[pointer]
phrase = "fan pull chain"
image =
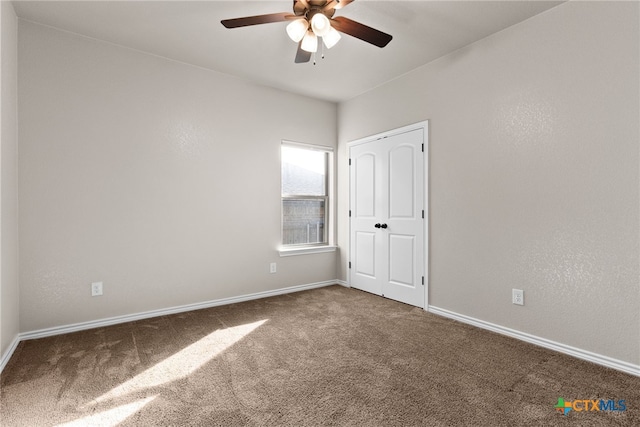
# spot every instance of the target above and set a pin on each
(314, 58)
(321, 49)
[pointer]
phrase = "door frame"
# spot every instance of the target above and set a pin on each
(424, 125)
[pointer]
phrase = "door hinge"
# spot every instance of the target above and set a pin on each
(349, 264)
(349, 213)
(422, 280)
(349, 162)
(422, 213)
(423, 148)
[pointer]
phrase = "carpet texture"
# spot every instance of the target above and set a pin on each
(330, 356)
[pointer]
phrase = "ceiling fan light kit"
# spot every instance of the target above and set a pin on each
(331, 38)
(297, 29)
(320, 24)
(312, 19)
(310, 42)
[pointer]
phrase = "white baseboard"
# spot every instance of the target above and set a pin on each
(7, 354)
(599, 359)
(65, 329)
(542, 342)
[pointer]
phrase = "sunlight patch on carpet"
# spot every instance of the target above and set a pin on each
(110, 417)
(184, 362)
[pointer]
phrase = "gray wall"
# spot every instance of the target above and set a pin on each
(160, 179)
(129, 164)
(9, 291)
(534, 183)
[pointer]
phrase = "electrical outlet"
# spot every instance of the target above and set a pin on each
(517, 296)
(96, 289)
(272, 267)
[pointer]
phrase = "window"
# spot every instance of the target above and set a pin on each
(305, 195)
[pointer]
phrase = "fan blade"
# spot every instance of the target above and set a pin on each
(302, 55)
(361, 31)
(258, 19)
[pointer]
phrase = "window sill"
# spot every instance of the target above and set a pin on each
(306, 250)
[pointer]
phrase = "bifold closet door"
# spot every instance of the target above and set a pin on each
(387, 216)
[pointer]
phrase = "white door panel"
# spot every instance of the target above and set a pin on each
(366, 253)
(401, 182)
(401, 259)
(365, 190)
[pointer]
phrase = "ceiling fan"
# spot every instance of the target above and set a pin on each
(312, 20)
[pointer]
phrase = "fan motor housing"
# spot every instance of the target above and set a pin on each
(316, 6)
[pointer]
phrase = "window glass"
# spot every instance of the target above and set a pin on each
(302, 221)
(304, 171)
(305, 196)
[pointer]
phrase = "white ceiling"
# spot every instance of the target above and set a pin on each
(190, 31)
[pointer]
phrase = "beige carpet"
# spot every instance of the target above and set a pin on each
(331, 356)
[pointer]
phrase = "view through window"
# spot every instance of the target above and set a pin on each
(305, 198)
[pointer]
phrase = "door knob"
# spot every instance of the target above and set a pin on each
(383, 226)
(377, 225)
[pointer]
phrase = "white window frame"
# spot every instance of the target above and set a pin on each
(328, 245)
